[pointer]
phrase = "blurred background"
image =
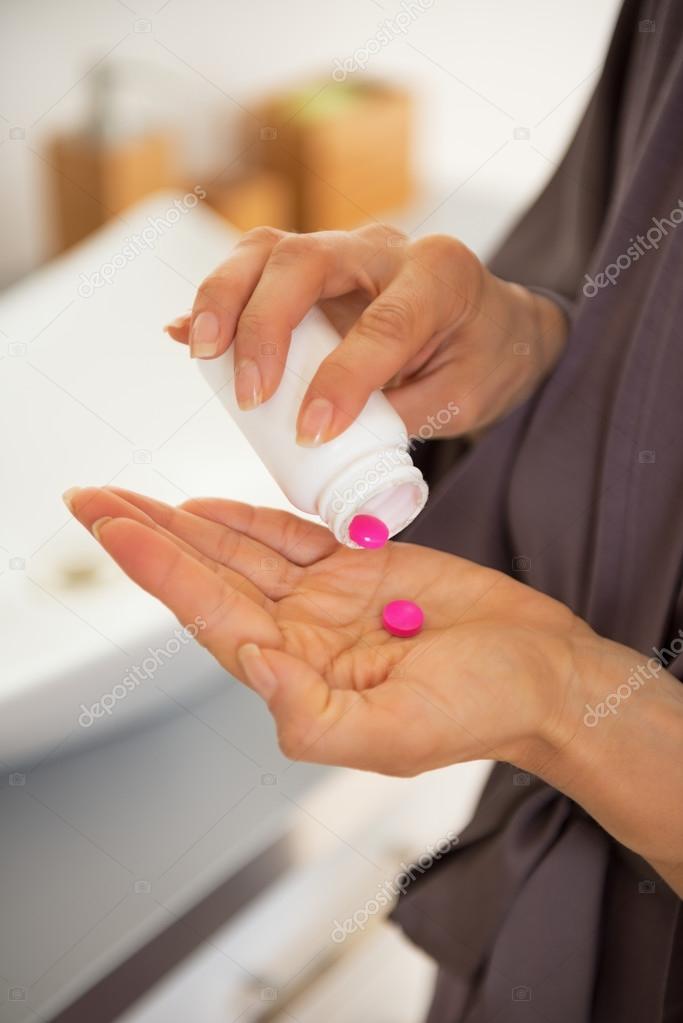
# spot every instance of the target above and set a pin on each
(160, 857)
(102, 103)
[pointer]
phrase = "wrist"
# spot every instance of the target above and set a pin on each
(525, 333)
(615, 747)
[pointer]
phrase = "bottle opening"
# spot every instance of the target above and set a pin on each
(396, 506)
(385, 484)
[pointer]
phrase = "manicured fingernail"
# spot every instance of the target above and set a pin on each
(97, 525)
(315, 422)
(248, 385)
(68, 496)
(178, 323)
(204, 335)
(257, 670)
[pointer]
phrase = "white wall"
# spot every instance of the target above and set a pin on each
(479, 68)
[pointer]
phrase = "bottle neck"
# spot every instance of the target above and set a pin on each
(384, 483)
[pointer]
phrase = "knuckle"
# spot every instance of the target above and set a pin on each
(387, 319)
(262, 236)
(442, 244)
(451, 264)
(442, 248)
(214, 287)
(253, 325)
(299, 246)
(384, 233)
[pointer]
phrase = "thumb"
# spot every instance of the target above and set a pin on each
(390, 331)
(311, 718)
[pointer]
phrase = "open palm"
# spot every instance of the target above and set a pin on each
(298, 617)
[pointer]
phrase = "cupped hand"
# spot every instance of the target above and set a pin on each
(454, 346)
(297, 617)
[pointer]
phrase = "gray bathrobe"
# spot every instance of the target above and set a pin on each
(538, 914)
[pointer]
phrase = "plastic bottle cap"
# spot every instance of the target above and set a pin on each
(367, 531)
(403, 618)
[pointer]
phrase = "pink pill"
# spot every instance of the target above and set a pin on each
(367, 531)
(402, 618)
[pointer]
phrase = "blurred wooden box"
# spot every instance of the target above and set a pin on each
(94, 180)
(346, 148)
(253, 199)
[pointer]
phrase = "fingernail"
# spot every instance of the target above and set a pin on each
(248, 386)
(257, 670)
(97, 526)
(178, 323)
(204, 335)
(315, 422)
(68, 496)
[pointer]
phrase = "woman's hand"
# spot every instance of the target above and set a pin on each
(298, 618)
(454, 346)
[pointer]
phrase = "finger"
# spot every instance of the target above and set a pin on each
(302, 270)
(179, 329)
(397, 325)
(368, 730)
(419, 401)
(314, 722)
(272, 573)
(390, 331)
(302, 542)
(227, 618)
(90, 504)
(224, 293)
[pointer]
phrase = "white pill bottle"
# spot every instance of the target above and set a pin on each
(367, 469)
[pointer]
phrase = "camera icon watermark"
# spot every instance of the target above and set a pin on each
(17, 778)
(521, 993)
(268, 348)
(521, 778)
(17, 349)
(17, 564)
(647, 887)
(17, 994)
(17, 133)
(521, 133)
(142, 25)
(142, 456)
(268, 779)
(647, 457)
(142, 887)
(521, 564)
(267, 133)
(268, 994)
(647, 25)
(521, 348)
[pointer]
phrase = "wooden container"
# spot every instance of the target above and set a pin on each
(253, 199)
(94, 180)
(345, 147)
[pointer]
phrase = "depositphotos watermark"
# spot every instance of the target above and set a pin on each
(388, 891)
(641, 244)
(388, 30)
(135, 244)
(140, 673)
(641, 674)
(390, 459)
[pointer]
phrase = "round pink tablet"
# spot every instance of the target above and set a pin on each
(367, 531)
(403, 618)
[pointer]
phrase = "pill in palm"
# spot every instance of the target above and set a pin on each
(367, 531)
(403, 618)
